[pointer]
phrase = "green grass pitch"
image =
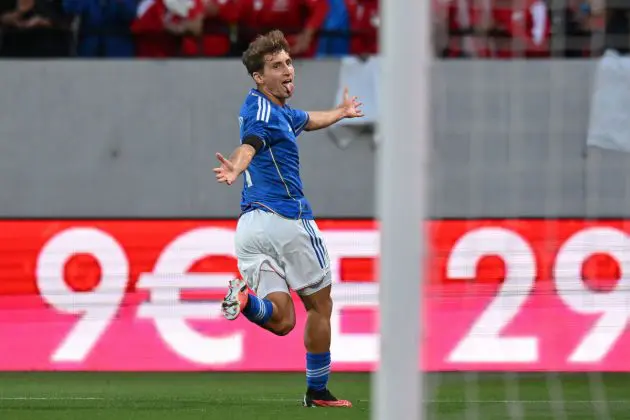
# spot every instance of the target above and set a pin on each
(276, 396)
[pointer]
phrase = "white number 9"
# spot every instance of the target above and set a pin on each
(614, 306)
(97, 307)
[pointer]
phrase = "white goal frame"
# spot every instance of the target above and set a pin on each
(401, 182)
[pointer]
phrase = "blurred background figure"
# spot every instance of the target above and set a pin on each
(104, 28)
(34, 28)
(336, 40)
(522, 28)
(161, 26)
(220, 18)
(301, 20)
(494, 28)
(457, 20)
(462, 29)
(364, 24)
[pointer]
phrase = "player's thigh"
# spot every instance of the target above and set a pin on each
(256, 258)
(305, 258)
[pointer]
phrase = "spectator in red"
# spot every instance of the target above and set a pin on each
(299, 19)
(161, 24)
(526, 23)
(364, 23)
(220, 18)
(463, 21)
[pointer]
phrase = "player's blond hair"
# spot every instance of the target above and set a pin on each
(270, 43)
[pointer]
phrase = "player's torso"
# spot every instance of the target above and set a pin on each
(273, 176)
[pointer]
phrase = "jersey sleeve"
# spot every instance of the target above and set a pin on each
(300, 119)
(253, 126)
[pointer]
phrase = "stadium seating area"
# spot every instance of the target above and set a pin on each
(217, 28)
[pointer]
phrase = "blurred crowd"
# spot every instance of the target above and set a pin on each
(315, 28)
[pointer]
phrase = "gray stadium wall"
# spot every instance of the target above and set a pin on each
(118, 139)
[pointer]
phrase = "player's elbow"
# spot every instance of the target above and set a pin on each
(310, 125)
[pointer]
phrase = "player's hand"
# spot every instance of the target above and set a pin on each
(350, 106)
(226, 171)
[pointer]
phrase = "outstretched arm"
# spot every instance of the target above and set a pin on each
(230, 169)
(349, 108)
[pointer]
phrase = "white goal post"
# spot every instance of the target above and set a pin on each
(401, 182)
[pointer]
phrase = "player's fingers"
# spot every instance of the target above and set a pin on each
(345, 93)
(358, 104)
(223, 160)
(218, 170)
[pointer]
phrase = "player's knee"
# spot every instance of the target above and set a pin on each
(326, 306)
(285, 324)
(285, 327)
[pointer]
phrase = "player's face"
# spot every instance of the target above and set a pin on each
(278, 74)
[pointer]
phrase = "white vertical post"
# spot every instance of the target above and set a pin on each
(404, 105)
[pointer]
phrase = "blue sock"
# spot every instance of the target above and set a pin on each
(258, 310)
(317, 370)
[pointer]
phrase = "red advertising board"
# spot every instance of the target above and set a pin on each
(144, 295)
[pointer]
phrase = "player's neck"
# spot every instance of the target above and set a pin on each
(271, 97)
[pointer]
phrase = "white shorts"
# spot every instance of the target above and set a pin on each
(277, 254)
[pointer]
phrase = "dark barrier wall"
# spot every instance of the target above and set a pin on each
(137, 139)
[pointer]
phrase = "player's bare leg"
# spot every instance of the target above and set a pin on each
(317, 342)
(282, 320)
(274, 312)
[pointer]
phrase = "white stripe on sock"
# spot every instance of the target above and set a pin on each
(325, 369)
(321, 375)
(261, 312)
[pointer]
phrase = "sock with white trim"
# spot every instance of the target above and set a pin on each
(317, 370)
(258, 310)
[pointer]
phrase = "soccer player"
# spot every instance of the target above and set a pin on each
(278, 244)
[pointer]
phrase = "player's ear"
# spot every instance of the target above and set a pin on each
(257, 78)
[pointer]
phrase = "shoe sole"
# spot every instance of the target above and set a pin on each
(231, 305)
(326, 404)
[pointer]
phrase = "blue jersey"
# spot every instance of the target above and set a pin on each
(272, 180)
